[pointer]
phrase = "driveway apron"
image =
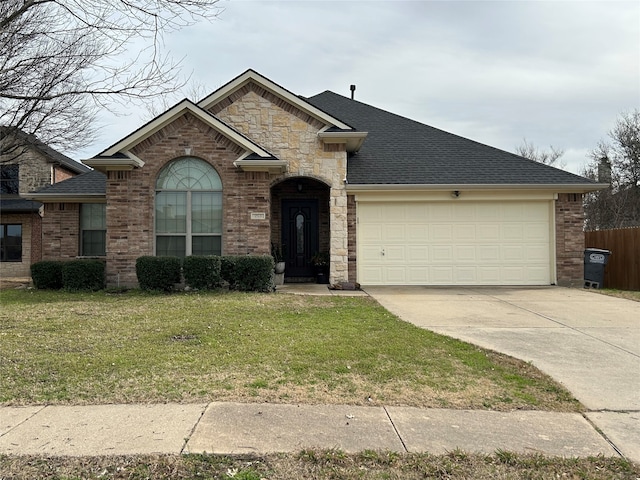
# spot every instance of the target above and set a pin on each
(587, 341)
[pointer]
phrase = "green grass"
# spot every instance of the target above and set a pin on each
(318, 464)
(90, 348)
(628, 294)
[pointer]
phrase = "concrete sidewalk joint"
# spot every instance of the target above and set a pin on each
(244, 428)
(404, 445)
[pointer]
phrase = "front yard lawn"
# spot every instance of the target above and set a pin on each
(95, 348)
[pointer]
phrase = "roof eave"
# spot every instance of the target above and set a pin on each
(270, 166)
(106, 164)
(557, 188)
(67, 197)
(353, 140)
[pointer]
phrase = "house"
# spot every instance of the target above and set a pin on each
(393, 201)
(26, 164)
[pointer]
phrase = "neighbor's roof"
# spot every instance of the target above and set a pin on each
(52, 154)
(402, 151)
(90, 184)
(18, 205)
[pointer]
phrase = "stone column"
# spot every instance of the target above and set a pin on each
(339, 265)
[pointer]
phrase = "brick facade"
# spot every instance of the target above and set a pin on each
(22, 268)
(351, 237)
(569, 211)
(36, 170)
(60, 229)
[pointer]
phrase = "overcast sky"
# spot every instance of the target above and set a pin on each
(554, 72)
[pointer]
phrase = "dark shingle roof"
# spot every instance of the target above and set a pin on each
(18, 205)
(402, 151)
(92, 182)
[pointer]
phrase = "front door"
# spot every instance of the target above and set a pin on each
(299, 236)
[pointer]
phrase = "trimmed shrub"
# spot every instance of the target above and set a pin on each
(254, 273)
(83, 275)
(158, 273)
(228, 269)
(47, 275)
(202, 272)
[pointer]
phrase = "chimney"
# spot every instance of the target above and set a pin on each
(353, 91)
(604, 170)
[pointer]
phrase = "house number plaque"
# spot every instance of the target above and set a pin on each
(258, 216)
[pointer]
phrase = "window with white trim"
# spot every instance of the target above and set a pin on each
(188, 209)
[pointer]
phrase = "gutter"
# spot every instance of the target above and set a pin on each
(67, 197)
(396, 187)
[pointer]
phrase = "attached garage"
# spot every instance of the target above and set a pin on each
(455, 242)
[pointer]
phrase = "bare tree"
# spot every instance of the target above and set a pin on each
(616, 161)
(61, 61)
(548, 157)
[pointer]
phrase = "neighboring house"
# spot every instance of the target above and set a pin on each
(29, 165)
(393, 201)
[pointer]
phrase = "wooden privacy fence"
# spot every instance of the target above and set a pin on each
(623, 269)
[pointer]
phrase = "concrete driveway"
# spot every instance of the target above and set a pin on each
(587, 341)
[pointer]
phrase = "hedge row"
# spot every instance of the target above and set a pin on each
(244, 273)
(72, 275)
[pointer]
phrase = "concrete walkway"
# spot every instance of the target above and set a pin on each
(587, 341)
(236, 428)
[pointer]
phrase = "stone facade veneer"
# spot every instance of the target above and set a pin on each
(292, 135)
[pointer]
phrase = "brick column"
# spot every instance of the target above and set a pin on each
(570, 239)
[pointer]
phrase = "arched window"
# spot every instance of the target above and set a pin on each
(188, 209)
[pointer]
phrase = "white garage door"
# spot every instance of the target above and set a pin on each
(454, 243)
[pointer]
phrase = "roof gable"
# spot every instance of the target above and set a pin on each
(298, 102)
(119, 156)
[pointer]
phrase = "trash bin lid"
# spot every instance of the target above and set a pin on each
(596, 250)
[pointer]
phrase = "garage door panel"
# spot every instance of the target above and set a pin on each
(513, 253)
(512, 232)
(464, 212)
(488, 254)
(466, 275)
(489, 275)
(395, 254)
(537, 232)
(418, 253)
(442, 254)
(371, 233)
(465, 254)
(465, 232)
(441, 232)
(396, 234)
(396, 275)
(441, 275)
(417, 233)
(454, 243)
(418, 275)
(488, 233)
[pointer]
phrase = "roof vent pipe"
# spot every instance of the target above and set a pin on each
(353, 90)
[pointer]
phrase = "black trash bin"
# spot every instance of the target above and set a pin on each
(594, 261)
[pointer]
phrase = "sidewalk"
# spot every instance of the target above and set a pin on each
(236, 428)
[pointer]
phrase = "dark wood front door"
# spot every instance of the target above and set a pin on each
(299, 236)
